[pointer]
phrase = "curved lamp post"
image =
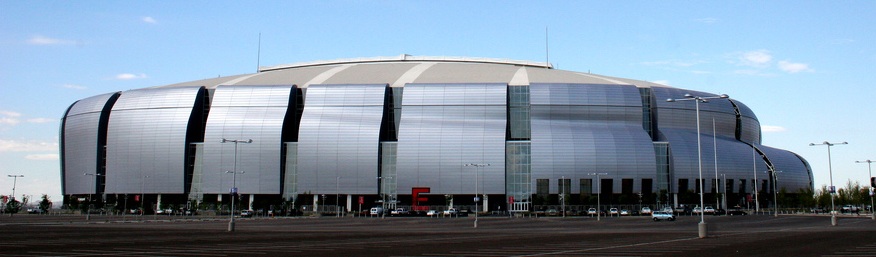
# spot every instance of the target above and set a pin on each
(830, 169)
(697, 99)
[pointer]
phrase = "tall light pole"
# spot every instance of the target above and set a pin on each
(775, 190)
(563, 194)
(477, 180)
(754, 169)
(383, 187)
(830, 170)
(234, 178)
(14, 181)
(717, 186)
(870, 170)
(697, 99)
(88, 212)
(598, 193)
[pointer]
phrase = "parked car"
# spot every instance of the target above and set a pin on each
(376, 211)
(246, 213)
(399, 212)
(613, 211)
(849, 209)
(450, 212)
(432, 213)
(662, 215)
(625, 212)
(720, 212)
(817, 210)
(591, 211)
(735, 212)
(697, 210)
(646, 211)
(709, 210)
(551, 212)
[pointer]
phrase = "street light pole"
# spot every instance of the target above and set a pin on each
(337, 204)
(717, 186)
(775, 191)
(234, 178)
(14, 181)
(598, 193)
(830, 170)
(88, 207)
(697, 99)
(563, 194)
(870, 170)
(477, 180)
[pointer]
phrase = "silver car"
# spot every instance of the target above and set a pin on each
(662, 215)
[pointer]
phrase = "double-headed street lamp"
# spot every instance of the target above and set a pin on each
(94, 175)
(697, 100)
(598, 192)
(234, 178)
(14, 181)
(870, 170)
(477, 180)
(830, 170)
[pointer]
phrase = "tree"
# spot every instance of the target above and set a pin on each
(12, 207)
(45, 204)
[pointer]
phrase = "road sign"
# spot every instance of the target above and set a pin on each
(361, 199)
(511, 199)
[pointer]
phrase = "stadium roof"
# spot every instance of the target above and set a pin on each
(400, 70)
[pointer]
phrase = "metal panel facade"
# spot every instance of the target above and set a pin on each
(146, 140)
(793, 173)
(243, 113)
(339, 137)
(583, 128)
(81, 147)
(445, 126)
(677, 125)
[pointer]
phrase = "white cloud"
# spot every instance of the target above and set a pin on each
(130, 76)
(768, 128)
(792, 67)
(72, 86)
(150, 20)
(32, 146)
(41, 120)
(9, 117)
(758, 58)
(41, 40)
(42, 157)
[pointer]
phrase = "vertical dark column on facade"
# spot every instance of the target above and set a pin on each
(647, 115)
(101, 141)
(195, 133)
(387, 146)
(290, 133)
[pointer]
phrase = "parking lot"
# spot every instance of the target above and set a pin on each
(786, 235)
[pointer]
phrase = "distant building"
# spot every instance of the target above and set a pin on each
(401, 130)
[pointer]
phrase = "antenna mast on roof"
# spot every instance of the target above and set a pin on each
(547, 60)
(259, 53)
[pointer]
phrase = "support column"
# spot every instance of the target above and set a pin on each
(349, 202)
(251, 200)
(315, 202)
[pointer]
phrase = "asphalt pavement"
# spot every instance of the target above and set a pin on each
(758, 235)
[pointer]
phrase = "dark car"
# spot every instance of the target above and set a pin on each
(735, 212)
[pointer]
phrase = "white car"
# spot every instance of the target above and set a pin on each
(591, 211)
(645, 211)
(612, 211)
(432, 213)
(450, 212)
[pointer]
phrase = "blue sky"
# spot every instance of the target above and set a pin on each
(803, 66)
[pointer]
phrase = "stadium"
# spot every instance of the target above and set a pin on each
(418, 132)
